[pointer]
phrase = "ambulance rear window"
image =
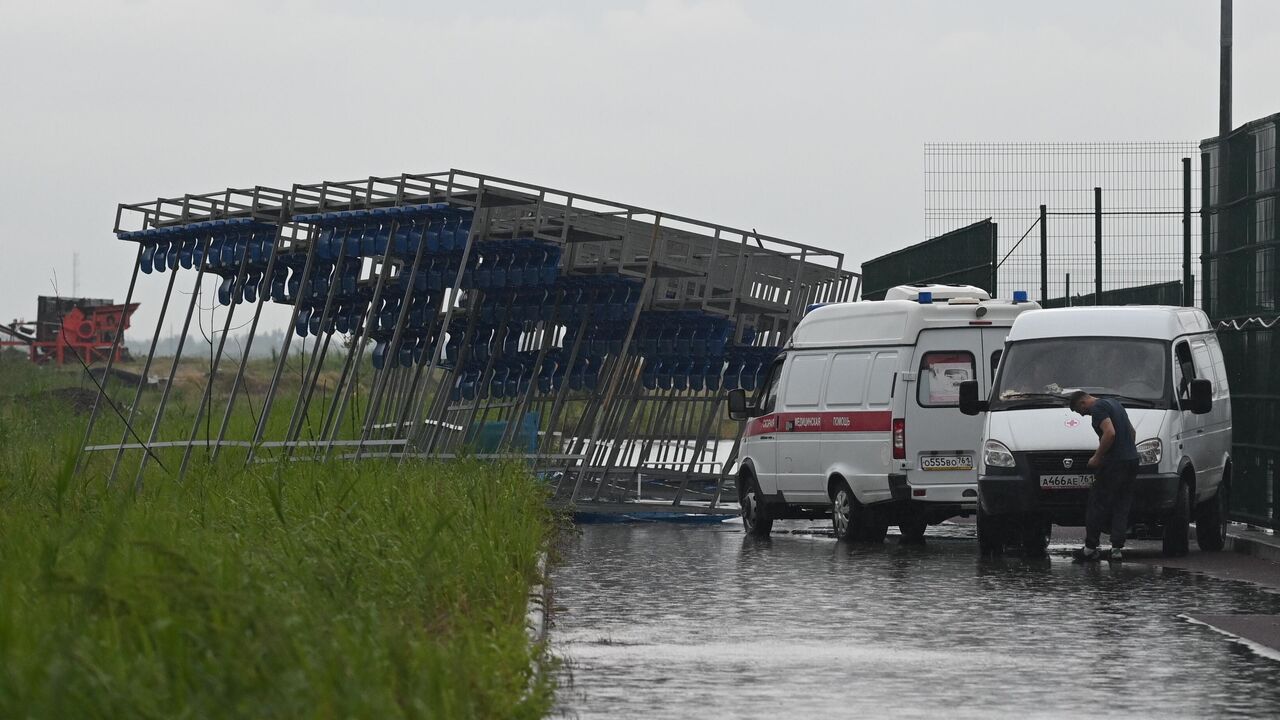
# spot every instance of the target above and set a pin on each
(940, 376)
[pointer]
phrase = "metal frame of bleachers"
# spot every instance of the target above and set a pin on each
(591, 338)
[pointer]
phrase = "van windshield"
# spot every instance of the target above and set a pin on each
(1042, 373)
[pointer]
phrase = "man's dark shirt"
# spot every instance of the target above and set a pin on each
(1123, 447)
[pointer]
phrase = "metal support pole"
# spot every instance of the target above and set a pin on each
(1188, 292)
(1097, 246)
(111, 358)
(142, 378)
(248, 345)
(320, 349)
(362, 344)
(995, 253)
(406, 288)
(177, 358)
(304, 289)
(1044, 254)
(1224, 86)
(207, 396)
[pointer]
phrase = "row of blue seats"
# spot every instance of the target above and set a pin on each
(395, 231)
(744, 370)
(681, 333)
(217, 245)
(568, 301)
(344, 318)
(510, 375)
(412, 350)
(666, 336)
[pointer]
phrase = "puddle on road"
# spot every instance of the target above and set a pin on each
(679, 621)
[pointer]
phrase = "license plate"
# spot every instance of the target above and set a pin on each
(1066, 482)
(946, 462)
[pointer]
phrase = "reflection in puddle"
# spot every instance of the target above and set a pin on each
(679, 621)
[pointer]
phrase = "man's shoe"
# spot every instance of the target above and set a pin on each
(1117, 555)
(1086, 554)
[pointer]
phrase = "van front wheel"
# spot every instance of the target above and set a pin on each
(1211, 521)
(991, 533)
(1035, 536)
(1177, 526)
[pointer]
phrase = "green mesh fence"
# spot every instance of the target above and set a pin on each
(1242, 293)
(960, 257)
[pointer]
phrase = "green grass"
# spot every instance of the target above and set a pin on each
(298, 590)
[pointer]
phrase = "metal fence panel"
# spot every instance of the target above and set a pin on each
(1242, 293)
(961, 257)
(1169, 293)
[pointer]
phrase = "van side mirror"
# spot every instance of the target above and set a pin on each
(969, 402)
(1201, 396)
(739, 408)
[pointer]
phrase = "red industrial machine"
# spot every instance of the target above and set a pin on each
(66, 327)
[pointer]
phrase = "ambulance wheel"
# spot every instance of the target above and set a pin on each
(755, 514)
(1177, 526)
(851, 521)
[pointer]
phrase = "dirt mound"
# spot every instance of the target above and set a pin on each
(80, 400)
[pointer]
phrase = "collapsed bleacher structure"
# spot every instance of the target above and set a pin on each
(473, 314)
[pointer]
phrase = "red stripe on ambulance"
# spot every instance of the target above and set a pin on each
(856, 421)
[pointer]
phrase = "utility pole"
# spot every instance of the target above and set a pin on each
(1224, 84)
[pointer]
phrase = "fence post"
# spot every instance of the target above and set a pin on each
(1188, 292)
(1097, 246)
(995, 256)
(1068, 293)
(1044, 256)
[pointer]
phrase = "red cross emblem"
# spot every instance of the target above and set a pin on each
(1071, 422)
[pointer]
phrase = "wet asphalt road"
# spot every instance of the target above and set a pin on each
(660, 620)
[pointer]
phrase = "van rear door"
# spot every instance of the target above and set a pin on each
(941, 442)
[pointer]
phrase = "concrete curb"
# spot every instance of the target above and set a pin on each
(1253, 542)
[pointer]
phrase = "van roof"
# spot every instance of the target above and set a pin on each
(896, 322)
(1140, 321)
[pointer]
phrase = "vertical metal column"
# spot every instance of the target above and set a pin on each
(207, 396)
(111, 358)
(1188, 292)
(1224, 78)
(1097, 246)
(1044, 254)
(995, 253)
(248, 345)
(177, 357)
(142, 378)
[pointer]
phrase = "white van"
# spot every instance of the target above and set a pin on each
(860, 416)
(1164, 365)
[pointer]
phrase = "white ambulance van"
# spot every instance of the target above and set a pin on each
(1165, 367)
(859, 417)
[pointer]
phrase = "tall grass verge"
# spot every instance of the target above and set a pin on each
(279, 590)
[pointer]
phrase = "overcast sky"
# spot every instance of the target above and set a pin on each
(805, 120)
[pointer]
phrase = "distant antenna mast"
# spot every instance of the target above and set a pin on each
(75, 274)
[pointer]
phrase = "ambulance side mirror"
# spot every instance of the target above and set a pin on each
(739, 408)
(1201, 400)
(969, 402)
